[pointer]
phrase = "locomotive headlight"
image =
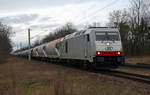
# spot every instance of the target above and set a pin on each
(98, 52)
(118, 52)
(107, 44)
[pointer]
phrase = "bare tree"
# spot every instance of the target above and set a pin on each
(137, 21)
(118, 16)
(5, 43)
(120, 19)
(139, 14)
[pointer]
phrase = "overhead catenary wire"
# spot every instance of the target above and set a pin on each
(91, 7)
(63, 12)
(38, 34)
(97, 11)
(84, 18)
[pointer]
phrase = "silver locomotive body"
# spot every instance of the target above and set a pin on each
(98, 46)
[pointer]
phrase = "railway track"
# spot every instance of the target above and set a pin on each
(137, 77)
(126, 75)
(118, 73)
(138, 66)
(130, 75)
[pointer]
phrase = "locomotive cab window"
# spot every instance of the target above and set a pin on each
(111, 36)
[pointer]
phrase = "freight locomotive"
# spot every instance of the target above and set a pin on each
(95, 47)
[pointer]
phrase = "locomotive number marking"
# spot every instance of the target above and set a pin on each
(108, 48)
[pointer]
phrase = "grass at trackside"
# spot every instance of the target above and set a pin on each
(20, 77)
(138, 60)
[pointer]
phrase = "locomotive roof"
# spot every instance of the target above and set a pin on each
(83, 32)
(104, 29)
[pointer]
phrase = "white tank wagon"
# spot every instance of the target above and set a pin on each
(51, 49)
(24, 53)
(34, 52)
(40, 51)
(47, 50)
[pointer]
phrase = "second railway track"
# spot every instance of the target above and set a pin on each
(126, 75)
(133, 74)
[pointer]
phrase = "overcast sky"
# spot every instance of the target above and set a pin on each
(43, 16)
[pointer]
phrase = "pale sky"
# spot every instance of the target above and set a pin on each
(43, 16)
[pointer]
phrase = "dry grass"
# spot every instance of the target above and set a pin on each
(135, 60)
(20, 77)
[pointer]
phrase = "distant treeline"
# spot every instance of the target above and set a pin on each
(134, 25)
